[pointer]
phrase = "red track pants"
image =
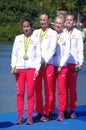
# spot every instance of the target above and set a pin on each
(71, 89)
(62, 85)
(25, 77)
(48, 76)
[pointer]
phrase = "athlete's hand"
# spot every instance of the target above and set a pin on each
(79, 66)
(36, 73)
(59, 69)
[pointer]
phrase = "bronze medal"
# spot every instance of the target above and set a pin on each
(25, 57)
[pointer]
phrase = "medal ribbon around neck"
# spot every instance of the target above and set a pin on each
(69, 32)
(59, 35)
(42, 35)
(26, 44)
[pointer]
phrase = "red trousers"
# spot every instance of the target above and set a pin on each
(25, 78)
(62, 85)
(71, 89)
(45, 102)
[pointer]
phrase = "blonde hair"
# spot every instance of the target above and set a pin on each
(60, 17)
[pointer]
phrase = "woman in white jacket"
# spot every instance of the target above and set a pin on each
(48, 40)
(75, 62)
(60, 63)
(25, 63)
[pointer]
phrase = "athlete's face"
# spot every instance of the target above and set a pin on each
(58, 24)
(26, 28)
(69, 21)
(44, 21)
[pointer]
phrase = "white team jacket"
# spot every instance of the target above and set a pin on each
(62, 50)
(77, 48)
(48, 45)
(33, 52)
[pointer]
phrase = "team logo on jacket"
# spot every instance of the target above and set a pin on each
(61, 39)
(47, 36)
(31, 42)
(36, 35)
(20, 41)
(73, 36)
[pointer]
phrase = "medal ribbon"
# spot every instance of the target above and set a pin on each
(42, 35)
(69, 32)
(26, 44)
(59, 36)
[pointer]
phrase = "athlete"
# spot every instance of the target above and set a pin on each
(25, 63)
(48, 41)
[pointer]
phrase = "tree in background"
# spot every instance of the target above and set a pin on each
(12, 11)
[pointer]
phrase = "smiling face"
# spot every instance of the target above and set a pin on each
(69, 21)
(27, 28)
(44, 21)
(59, 23)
